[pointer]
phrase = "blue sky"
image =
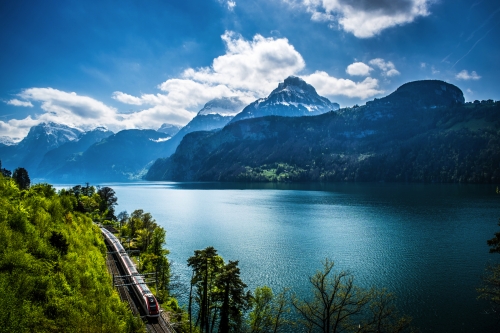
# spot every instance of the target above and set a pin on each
(138, 64)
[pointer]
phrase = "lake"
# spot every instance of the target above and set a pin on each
(426, 243)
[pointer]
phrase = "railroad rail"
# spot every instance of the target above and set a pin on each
(157, 325)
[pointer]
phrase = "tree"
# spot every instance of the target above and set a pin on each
(268, 311)
(108, 201)
(338, 305)
(336, 302)
(233, 298)
(6, 173)
(382, 315)
(22, 178)
(206, 265)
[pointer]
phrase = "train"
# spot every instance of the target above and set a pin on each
(146, 298)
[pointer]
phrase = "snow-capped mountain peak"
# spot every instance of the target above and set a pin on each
(292, 98)
(225, 106)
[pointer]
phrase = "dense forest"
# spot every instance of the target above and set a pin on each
(423, 132)
(53, 275)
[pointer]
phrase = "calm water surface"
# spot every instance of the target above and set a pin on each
(425, 243)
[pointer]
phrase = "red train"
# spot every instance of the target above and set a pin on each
(145, 296)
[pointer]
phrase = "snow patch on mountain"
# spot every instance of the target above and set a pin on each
(292, 98)
(8, 141)
(225, 106)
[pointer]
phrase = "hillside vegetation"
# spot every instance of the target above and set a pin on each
(53, 275)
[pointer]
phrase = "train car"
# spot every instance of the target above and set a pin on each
(144, 295)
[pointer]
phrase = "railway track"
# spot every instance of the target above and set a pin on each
(157, 325)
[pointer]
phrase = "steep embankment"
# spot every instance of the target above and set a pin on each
(420, 133)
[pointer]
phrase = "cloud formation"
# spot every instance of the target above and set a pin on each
(387, 68)
(365, 18)
(16, 129)
(464, 75)
(249, 69)
(17, 102)
(358, 68)
(255, 66)
(230, 4)
(330, 86)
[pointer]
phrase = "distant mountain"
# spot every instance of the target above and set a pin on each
(225, 106)
(293, 98)
(69, 151)
(123, 156)
(169, 129)
(423, 132)
(8, 141)
(41, 138)
(214, 115)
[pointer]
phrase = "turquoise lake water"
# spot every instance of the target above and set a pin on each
(425, 243)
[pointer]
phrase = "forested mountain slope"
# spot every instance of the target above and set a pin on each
(423, 132)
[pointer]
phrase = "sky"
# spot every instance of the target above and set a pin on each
(139, 64)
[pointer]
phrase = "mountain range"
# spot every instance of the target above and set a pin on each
(422, 132)
(59, 153)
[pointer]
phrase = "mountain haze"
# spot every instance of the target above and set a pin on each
(123, 156)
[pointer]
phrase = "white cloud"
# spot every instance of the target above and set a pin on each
(365, 18)
(358, 68)
(256, 66)
(68, 105)
(17, 102)
(85, 112)
(229, 3)
(249, 69)
(327, 85)
(16, 129)
(387, 68)
(126, 98)
(464, 75)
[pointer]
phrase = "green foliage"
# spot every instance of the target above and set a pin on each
(231, 297)
(6, 173)
(219, 293)
(22, 178)
(206, 265)
(53, 275)
(269, 312)
(144, 236)
(107, 202)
